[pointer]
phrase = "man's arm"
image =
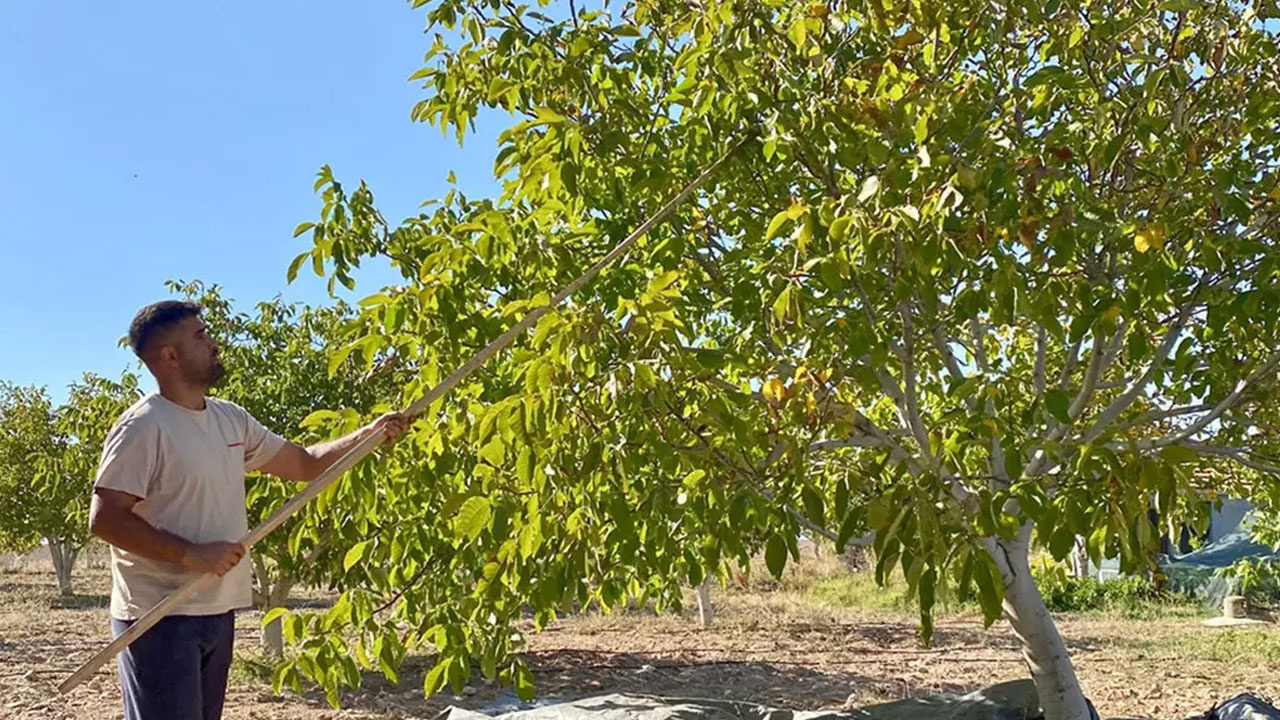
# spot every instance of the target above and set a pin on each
(111, 517)
(294, 462)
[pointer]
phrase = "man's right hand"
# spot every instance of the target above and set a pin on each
(215, 557)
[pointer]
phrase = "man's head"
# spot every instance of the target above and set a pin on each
(170, 338)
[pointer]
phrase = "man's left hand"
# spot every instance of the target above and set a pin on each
(393, 425)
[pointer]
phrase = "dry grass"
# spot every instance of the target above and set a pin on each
(819, 638)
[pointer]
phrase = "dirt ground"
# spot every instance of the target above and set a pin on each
(778, 647)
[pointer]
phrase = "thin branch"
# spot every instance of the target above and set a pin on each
(1090, 383)
(860, 441)
(1152, 416)
(944, 349)
(1243, 457)
(1125, 399)
(1042, 346)
(979, 331)
(912, 417)
(1069, 365)
(1225, 404)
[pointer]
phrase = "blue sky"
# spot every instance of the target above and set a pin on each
(148, 140)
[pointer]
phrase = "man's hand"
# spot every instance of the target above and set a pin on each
(394, 424)
(215, 557)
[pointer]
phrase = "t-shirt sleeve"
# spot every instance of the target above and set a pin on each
(260, 444)
(130, 456)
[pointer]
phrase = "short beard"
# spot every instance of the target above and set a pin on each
(216, 373)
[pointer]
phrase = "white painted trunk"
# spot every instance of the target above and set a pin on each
(64, 558)
(1042, 645)
(706, 612)
(1080, 560)
(268, 595)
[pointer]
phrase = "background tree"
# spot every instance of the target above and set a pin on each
(279, 370)
(988, 276)
(49, 458)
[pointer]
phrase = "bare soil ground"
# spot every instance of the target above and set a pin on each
(772, 644)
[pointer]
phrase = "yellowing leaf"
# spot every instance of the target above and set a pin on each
(909, 38)
(663, 281)
(774, 391)
(549, 116)
(1148, 238)
(798, 33)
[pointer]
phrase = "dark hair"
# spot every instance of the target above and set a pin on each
(156, 318)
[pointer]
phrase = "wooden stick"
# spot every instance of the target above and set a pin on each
(367, 445)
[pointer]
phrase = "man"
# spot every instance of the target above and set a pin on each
(169, 498)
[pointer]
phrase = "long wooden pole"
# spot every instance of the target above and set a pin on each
(367, 445)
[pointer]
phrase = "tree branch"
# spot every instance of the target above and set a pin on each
(1223, 405)
(1069, 365)
(1152, 416)
(1243, 457)
(1125, 399)
(944, 349)
(1042, 347)
(1090, 383)
(979, 331)
(912, 417)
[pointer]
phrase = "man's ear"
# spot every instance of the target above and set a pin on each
(166, 355)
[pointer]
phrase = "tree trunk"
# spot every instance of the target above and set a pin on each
(1080, 560)
(706, 612)
(1046, 654)
(269, 594)
(272, 635)
(64, 558)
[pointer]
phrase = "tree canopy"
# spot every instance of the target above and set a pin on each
(987, 276)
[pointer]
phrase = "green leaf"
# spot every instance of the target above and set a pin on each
(848, 527)
(273, 614)
(530, 539)
(775, 225)
(355, 554)
(296, 265)
(782, 305)
(1059, 405)
(813, 505)
(473, 517)
(775, 555)
(318, 418)
(494, 452)
(525, 689)
(436, 678)
(1179, 455)
(1047, 74)
(928, 595)
(990, 588)
(524, 465)
(303, 227)
(839, 231)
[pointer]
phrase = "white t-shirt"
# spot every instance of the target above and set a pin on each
(188, 467)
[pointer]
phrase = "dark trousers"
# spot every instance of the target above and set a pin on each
(178, 669)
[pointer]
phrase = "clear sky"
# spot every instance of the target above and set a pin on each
(150, 140)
